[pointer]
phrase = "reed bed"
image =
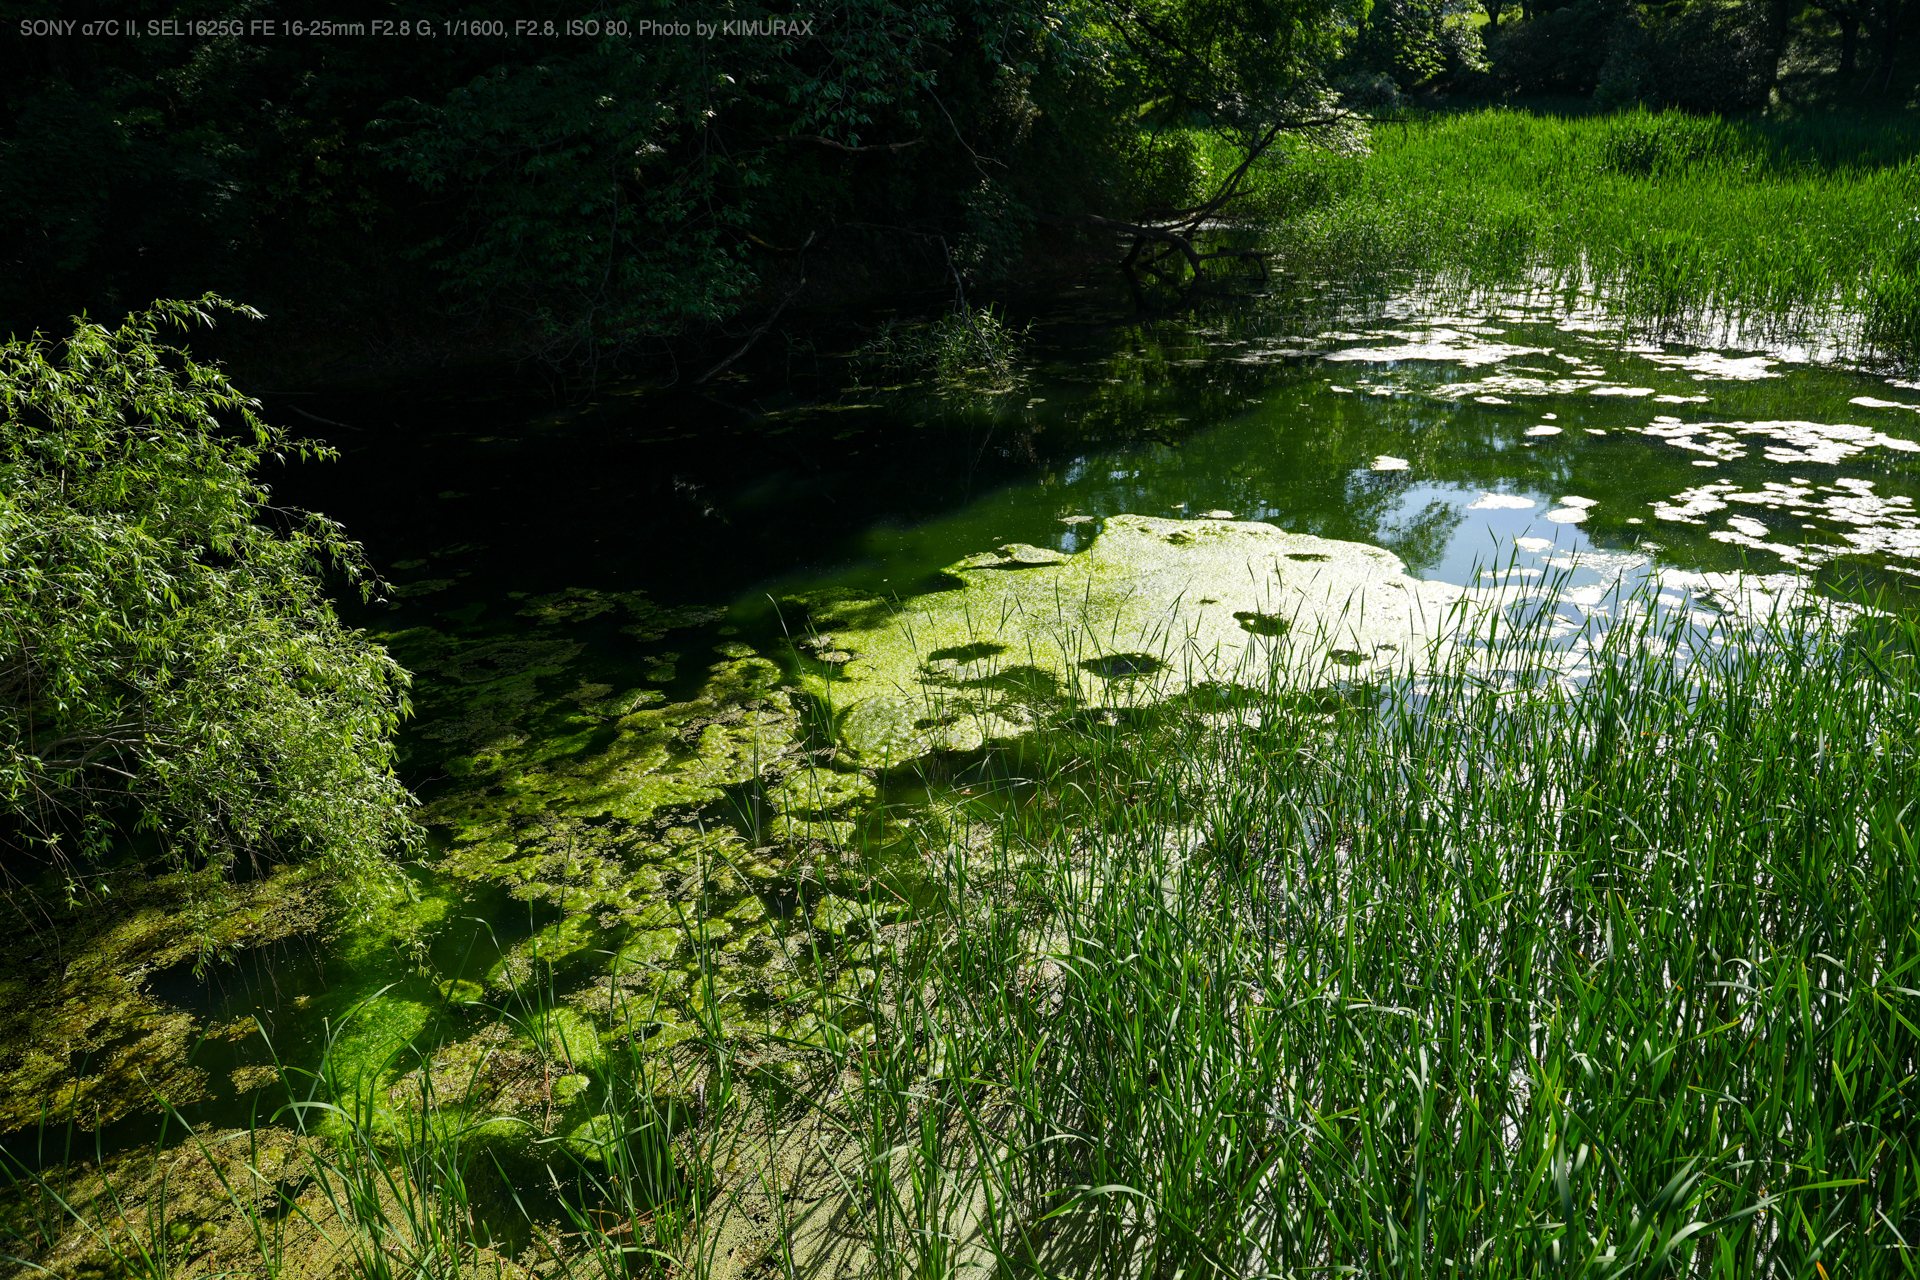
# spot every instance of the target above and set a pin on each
(1802, 232)
(1484, 970)
(1478, 975)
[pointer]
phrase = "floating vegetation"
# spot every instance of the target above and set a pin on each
(1259, 903)
(1147, 606)
(88, 1040)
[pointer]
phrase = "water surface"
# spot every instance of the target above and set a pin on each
(1515, 438)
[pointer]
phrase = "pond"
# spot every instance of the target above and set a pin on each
(644, 811)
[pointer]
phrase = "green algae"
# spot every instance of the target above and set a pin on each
(664, 925)
(673, 755)
(85, 1040)
(648, 949)
(394, 923)
(192, 1210)
(819, 804)
(374, 1041)
(602, 805)
(476, 695)
(611, 812)
(1153, 607)
(554, 947)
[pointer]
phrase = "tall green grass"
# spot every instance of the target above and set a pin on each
(1470, 976)
(1688, 226)
(1482, 971)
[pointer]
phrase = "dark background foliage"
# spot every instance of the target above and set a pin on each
(404, 200)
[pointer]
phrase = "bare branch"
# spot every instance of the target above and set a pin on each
(830, 144)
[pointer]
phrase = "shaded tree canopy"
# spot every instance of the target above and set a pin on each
(600, 183)
(599, 192)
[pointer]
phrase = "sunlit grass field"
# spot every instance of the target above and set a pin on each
(1804, 230)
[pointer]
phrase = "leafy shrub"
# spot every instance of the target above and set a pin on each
(1369, 92)
(1626, 75)
(1167, 172)
(970, 348)
(1464, 52)
(1703, 59)
(169, 658)
(989, 250)
(1402, 39)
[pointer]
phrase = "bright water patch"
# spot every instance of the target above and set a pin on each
(1748, 417)
(1397, 432)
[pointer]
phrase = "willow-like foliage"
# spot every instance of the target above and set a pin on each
(170, 661)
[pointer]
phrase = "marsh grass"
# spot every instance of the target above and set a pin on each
(1478, 973)
(1798, 231)
(1477, 970)
(967, 349)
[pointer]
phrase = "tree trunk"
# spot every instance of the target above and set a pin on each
(1778, 16)
(1885, 21)
(1849, 46)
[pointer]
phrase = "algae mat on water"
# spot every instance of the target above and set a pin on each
(668, 861)
(1154, 607)
(582, 802)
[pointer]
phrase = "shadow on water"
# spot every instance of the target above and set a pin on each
(1437, 437)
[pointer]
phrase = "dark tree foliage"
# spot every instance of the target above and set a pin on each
(607, 193)
(1699, 55)
(1248, 72)
(591, 194)
(597, 188)
(1848, 15)
(1404, 39)
(583, 195)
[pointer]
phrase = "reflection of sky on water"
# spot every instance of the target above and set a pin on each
(1800, 521)
(1488, 538)
(1446, 438)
